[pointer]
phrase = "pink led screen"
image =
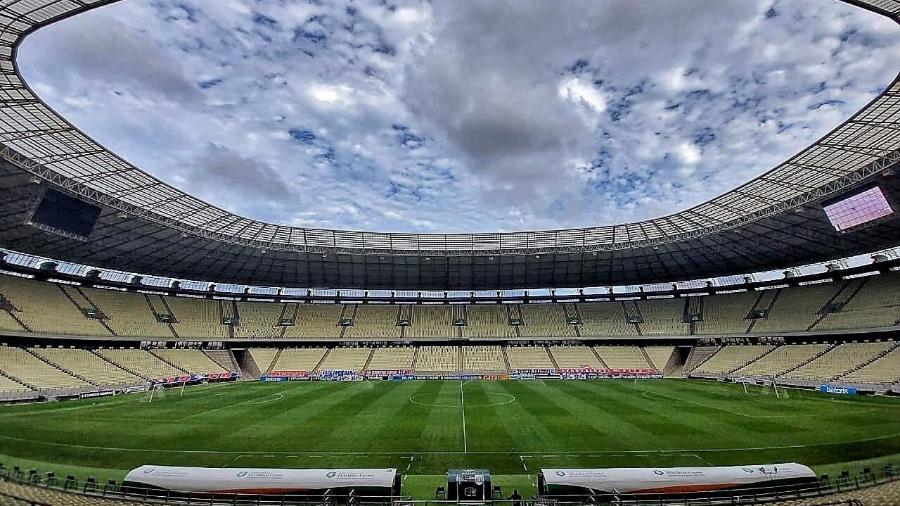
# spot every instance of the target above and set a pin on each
(858, 209)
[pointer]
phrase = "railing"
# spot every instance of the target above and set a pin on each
(71, 485)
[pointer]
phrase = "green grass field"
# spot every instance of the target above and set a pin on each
(423, 428)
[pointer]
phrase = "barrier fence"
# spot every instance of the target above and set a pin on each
(35, 486)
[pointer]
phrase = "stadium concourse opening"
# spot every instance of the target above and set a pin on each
(157, 349)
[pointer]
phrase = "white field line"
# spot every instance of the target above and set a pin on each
(448, 452)
(462, 401)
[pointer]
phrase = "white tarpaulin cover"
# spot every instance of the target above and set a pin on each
(674, 479)
(257, 481)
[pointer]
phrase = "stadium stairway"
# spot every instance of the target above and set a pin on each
(745, 364)
(120, 366)
(17, 380)
(599, 359)
(505, 359)
(697, 357)
(224, 358)
(365, 366)
(415, 357)
(59, 367)
(810, 359)
(157, 355)
(321, 360)
(274, 360)
(867, 362)
(552, 358)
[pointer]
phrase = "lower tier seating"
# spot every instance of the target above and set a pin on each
(729, 358)
(87, 365)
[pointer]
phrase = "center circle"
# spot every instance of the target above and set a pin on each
(453, 401)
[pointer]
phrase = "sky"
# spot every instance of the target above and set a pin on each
(462, 115)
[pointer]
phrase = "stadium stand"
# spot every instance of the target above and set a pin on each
(881, 371)
(392, 359)
(192, 361)
(197, 318)
(483, 360)
(7, 322)
(263, 357)
(299, 359)
(488, 320)
(730, 358)
(374, 321)
(437, 359)
(45, 308)
(795, 309)
(19, 364)
(87, 365)
(430, 321)
(663, 317)
(659, 356)
(258, 320)
(225, 358)
(346, 359)
(316, 320)
(575, 357)
(840, 360)
(876, 304)
(604, 319)
(545, 320)
(622, 357)
(781, 360)
(726, 313)
(529, 357)
(128, 313)
(140, 362)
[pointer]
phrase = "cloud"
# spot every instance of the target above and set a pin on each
(460, 116)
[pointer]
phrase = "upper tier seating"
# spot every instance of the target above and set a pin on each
(726, 313)
(876, 304)
(430, 321)
(44, 308)
(299, 359)
(57, 309)
(263, 357)
(604, 319)
(884, 370)
(374, 321)
(197, 317)
(782, 359)
(488, 320)
(839, 360)
(575, 357)
(622, 357)
(140, 362)
(392, 359)
(483, 359)
(795, 308)
(659, 356)
(529, 357)
(436, 359)
(545, 320)
(87, 365)
(192, 361)
(346, 359)
(316, 320)
(29, 369)
(729, 358)
(258, 320)
(663, 317)
(127, 313)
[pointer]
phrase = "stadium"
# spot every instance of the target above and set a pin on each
(158, 349)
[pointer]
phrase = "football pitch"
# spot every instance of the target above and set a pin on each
(422, 428)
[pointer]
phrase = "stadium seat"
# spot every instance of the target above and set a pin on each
(346, 359)
(840, 360)
(437, 359)
(483, 360)
(88, 366)
(392, 359)
(488, 320)
(27, 368)
(545, 320)
(575, 357)
(623, 357)
(140, 362)
(730, 358)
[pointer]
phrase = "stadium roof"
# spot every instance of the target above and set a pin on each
(147, 226)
